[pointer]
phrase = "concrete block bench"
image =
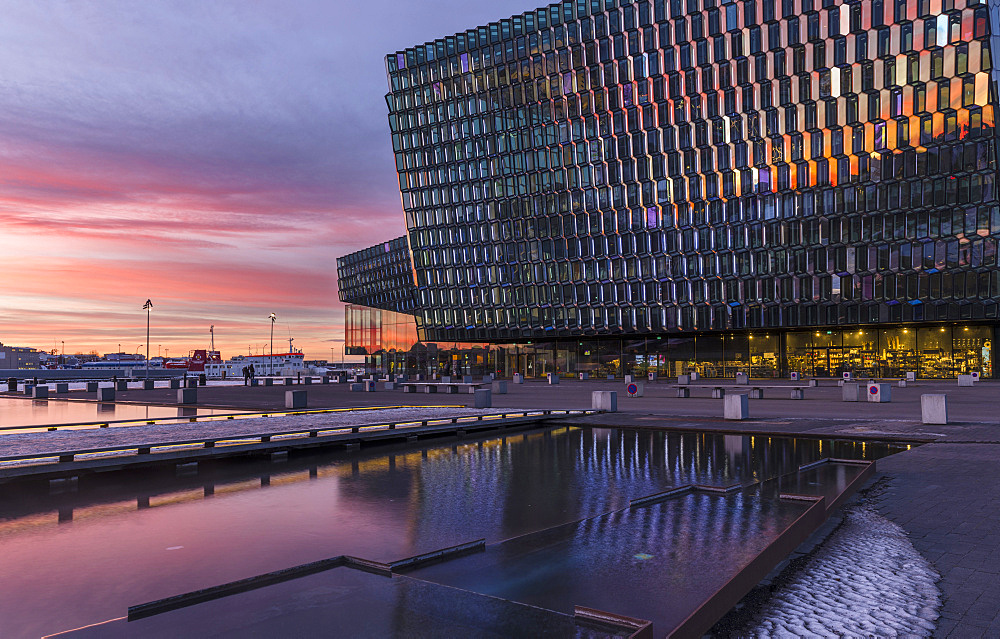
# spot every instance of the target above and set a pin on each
(295, 399)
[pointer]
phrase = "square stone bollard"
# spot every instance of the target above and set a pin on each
(268, 381)
(62, 387)
(370, 386)
(28, 388)
(289, 381)
(106, 394)
(176, 382)
(611, 378)
(902, 383)
(40, 392)
(911, 376)
(466, 379)
(683, 392)
(965, 380)
(756, 393)
(934, 409)
(12, 384)
(192, 382)
(813, 382)
(92, 387)
(683, 379)
(798, 393)
(604, 400)
(736, 406)
(446, 379)
(488, 377)
(324, 380)
(553, 378)
(879, 393)
(695, 376)
(742, 379)
(188, 395)
(357, 388)
(500, 387)
(584, 376)
(148, 384)
(484, 398)
(390, 385)
(629, 379)
(295, 399)
(718, 392)
(307, 380)
(651, 376)
(850, 392)
(518, 378)
(121, 385)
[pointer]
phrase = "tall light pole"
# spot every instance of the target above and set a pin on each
(270, 360)
(147, 306)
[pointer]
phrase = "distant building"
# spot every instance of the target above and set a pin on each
(19, 357)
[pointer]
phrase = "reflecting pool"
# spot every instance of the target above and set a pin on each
(82, 557)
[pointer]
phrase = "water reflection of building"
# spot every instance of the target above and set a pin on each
(747, 185)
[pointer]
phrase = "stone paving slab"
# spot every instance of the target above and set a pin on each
(947, 498)
(965, 405)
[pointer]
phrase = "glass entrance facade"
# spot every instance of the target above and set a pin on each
(389, 341)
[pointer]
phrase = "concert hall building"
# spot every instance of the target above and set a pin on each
(766, 186)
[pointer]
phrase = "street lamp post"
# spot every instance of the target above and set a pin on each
(147, 306)
(270, 360)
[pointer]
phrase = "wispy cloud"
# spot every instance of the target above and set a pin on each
(217, 156)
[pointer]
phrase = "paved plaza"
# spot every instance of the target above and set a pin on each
(945, 493)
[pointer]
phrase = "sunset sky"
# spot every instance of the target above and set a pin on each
(215, 157)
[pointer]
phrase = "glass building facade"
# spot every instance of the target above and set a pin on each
(816, 177)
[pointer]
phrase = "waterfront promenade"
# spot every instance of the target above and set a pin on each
(945, 493)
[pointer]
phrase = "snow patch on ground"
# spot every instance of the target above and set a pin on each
(866, 579)
(67, 439)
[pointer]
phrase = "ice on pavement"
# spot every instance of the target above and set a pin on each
(866, 579)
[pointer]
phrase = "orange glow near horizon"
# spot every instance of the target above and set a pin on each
(80, 257)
